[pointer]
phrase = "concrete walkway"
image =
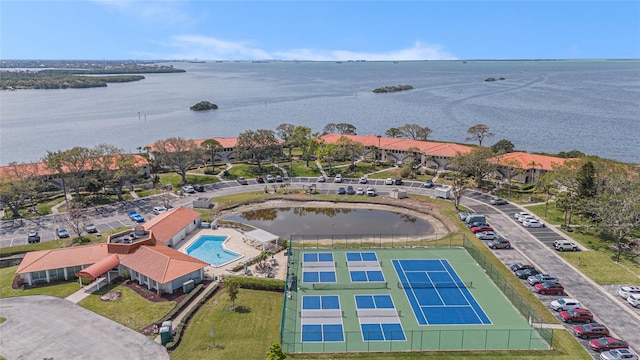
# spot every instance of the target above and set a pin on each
(87, 290)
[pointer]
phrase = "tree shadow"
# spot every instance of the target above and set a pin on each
(242, 309)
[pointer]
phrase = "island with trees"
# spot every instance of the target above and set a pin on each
(393, 88)
(204, 105)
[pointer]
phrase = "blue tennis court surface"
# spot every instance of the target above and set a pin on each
(437, 294)
(364, 267)
(318, 268)
(379, 320)
(321, 319)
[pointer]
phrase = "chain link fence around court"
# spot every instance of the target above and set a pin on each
(370, 241)
(519, 302)
(415, 340)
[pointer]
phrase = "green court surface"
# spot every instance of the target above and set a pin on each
(506, 328)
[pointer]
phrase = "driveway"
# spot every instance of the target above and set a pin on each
(45, 327)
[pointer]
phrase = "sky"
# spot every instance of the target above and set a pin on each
(318, 30)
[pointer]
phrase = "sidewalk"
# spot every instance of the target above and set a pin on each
(87, 290)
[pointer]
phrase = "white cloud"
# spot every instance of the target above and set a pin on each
(211, 48)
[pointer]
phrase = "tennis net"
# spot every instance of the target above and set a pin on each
(434, 285)
(331, 313)
(354, 286)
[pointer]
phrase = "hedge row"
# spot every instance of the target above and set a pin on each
(179, 307)
(258, 283)
(177, 337)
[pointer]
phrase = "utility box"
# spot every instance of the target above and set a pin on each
(202, 203)
(398, 194)
(166, 334)
(187, 286)
(442, 192)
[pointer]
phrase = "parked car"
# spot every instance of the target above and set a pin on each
(360, 191)
(521, 266)
(562, 245)
(607, 343)
(634, 300)
(278, 178)
(259, 179)
(341, 191)
(482, 228)
(522, 213)
(337, 178)
(549, 288)
(540, 278)
(398, 181)
(242, 181)
(625, 291)
(389, 181)
(321, 178)
(363, 180)
(477, 224)
(591, 330)
(500, 243)
(619, 354)
(91, 229)
(33, 237)
(524, 218)
(133, 215)
(350, 190)
(525, 273)
(159, 209)
(565, 304)
(62, 233)
(270, 178)
(498, 201)
(188, 189)
(576, 315)
(371, 191)
(486, 235)
(462, 215)
(198, 187)
(533, 223)
(428, 184)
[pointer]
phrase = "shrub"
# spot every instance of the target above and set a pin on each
(259, 283)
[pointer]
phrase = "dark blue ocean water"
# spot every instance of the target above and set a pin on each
(541, 106)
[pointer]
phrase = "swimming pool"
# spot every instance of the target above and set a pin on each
(209, 248)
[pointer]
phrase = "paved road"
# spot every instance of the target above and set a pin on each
(45, 327)
(535, 246)
(531, 245)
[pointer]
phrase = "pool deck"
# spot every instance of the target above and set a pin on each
(236, 242)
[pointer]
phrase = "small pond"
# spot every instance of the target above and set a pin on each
(286, 221)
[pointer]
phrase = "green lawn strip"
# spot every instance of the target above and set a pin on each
(130, 310)
(300, 169)
(176, 180)
(245, 333)
(601, 267)
(60, 290)
(554, 214)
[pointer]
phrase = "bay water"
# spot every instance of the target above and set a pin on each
(541, 106)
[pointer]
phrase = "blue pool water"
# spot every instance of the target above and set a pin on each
(209, 248)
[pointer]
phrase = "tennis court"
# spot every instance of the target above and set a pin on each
(407, 299)
(437, 294)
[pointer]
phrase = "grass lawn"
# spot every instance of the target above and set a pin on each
(60, 290)
(176, 180)
(245, 333)
(130, 310)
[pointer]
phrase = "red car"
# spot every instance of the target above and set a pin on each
(259, 179)
(576, 315)
(591, 330)
(549, 288)
(477, 229)
(607, 343)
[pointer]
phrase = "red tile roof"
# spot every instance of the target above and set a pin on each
(41, 169)
(430, 148)
(60, 258)
(526, 161)
(162, 263)
(170, 222)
